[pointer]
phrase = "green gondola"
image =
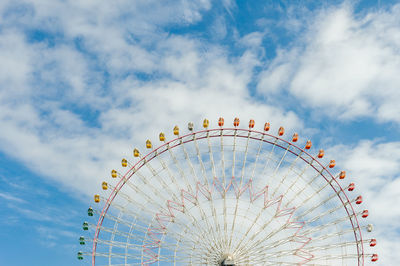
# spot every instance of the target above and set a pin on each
(80, 255)
(85, 226)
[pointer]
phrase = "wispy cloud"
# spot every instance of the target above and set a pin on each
(9, 197)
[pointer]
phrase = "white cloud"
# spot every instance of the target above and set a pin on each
(274, 79)
(46, 125)
(229, 5)
(253, 39)
(15, 67)
(345, 66)
(11, 198)
(219, 28)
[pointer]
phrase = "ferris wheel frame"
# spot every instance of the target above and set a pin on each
(250, 133)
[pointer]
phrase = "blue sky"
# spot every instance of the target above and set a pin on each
(83, 82)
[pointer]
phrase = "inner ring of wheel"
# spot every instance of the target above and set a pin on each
(241, 133)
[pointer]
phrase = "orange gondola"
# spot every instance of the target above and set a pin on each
(251, 123)
(266, 126)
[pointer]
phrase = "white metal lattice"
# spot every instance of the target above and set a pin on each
(229, 193)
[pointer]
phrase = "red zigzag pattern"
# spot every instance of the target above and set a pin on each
(154, 233)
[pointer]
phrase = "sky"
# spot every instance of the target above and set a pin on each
(84, 82)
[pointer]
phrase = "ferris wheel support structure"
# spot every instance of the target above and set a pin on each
(200, 195)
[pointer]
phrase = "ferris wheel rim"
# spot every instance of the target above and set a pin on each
(147, 158)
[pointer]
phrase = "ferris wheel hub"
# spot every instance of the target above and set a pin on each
(227, 260)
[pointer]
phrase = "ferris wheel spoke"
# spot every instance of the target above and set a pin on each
(289, 170)
(340, 257)
(189, 162)
(202, 167)
(123, 221)
(160, 178)
(203, 171)
(260, 145)
(266, 223)
(233, 179)
(322, 202)
(310, 249)
(316, 206)
(203, 233)
(139, 192)
(178, 248)
(241, 246)
(325, 226)
(214, 174)
(304, 187)
(128, 239)
(213, 210)
(199, 235)
(319, 216)
(261, 259)
(119, 233)
(140, 211)
(174, 194)
(200, 206)
(273, 255)
(186, 250)
(269, 157)
(178, 188)
(160, 196)
(250, 244)
(334, 234)
(329, 246)
(223, 161)
(261, 142)
(277, 169)
(181, 173)
(184, 207)
(118, 264)
(299, 176)
(187, 158)
(132, 201)
(119, 244)
(181, 199)
(115, 228)
(194, 254)
(246, 151)
(240, 186)
(261, 211)
(117, 255)
(224, 181)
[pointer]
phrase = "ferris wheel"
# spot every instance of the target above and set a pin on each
(228, 196)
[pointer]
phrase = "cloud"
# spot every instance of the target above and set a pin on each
(16, 65)
(93, 87)
(219, 29)
(51, 237)
(12, 198)
(345, 66)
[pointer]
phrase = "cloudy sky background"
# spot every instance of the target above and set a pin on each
(84, 82)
